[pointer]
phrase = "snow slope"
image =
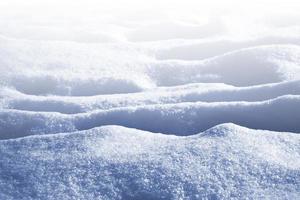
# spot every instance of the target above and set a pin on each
(149, 100)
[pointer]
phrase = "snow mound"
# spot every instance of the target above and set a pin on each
(71, 69)
(243, 67)
(112, 162)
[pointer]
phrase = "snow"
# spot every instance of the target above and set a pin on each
(178, 119)
(71, 69)
(149, 100)
(114, 162)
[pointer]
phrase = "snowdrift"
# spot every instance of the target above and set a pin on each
(11, 99)
(76, 69)
(280, 114)
(243, 67)
(114, 162)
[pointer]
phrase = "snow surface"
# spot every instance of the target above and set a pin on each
(179, 119)
(149, 100)
(114, 162)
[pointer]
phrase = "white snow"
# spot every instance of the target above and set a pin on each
(12, 99)
(279, 114)
(114, 162)
(149, 100)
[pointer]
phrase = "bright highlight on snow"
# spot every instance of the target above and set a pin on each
(149, 100)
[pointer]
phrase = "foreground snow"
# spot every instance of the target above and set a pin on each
(113, 162)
